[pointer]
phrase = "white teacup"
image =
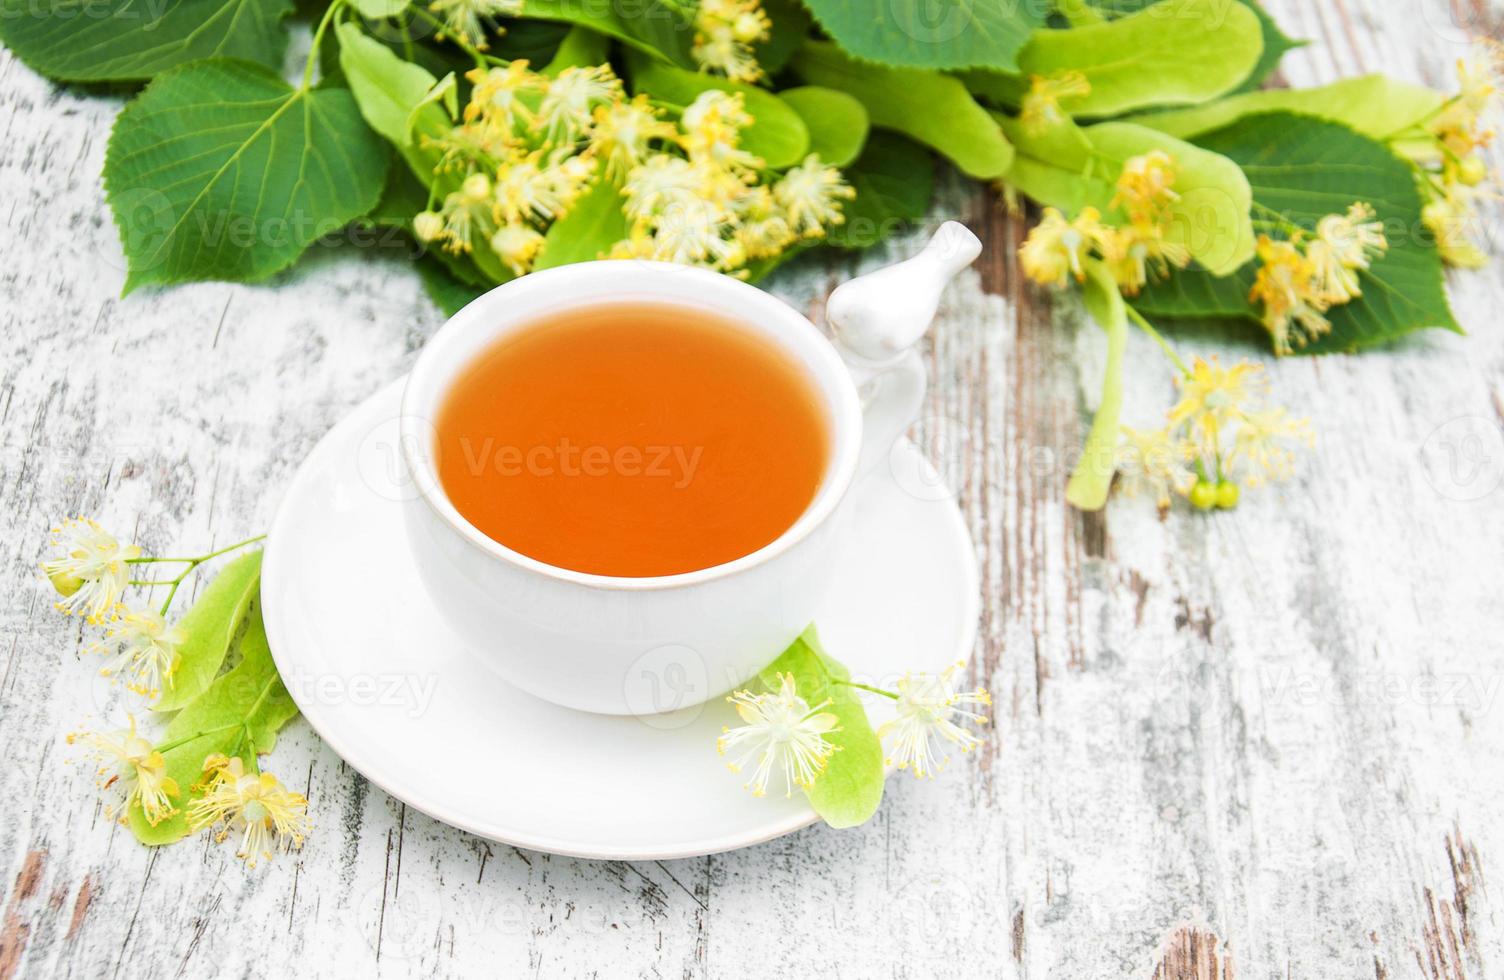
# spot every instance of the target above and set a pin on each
(619, 645)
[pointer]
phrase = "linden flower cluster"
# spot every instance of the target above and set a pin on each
(1299, 279)
(692, 193)
(1454, 177)
(784, 734)
(1057, 248)
(1220, 435)
(468, 20)
(725, 33)
(90, 571)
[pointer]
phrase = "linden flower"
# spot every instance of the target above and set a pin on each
(762, 230)
(809, 194)
(1136, 253)
(781, 731)
(623, 131)
(1154, 463)
(91, 570)
(690, 232)
(1041, 105)
(712, 127)
(1211, 396)
(144, 649)
(1344, 244)
(571, 98)
(1293, 302)
(1056, 248)
(517, 245)
(725, 31)
(468, 19)
(269, 816)
(526, 190)
(129, 764)
(1450, 220)
(660, 182)
(1263, 445)
(929, 707)
(1144, 188)
(496, 94)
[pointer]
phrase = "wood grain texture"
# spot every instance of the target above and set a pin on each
(1262, 744)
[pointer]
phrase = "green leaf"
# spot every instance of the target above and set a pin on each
(1092, 477)
(659, 28)
(128, 40)
(1303, 168)
(1176, 52)
(1276, 45)
(930, 34)
(209, 627)
(581, 48)
(894, 179)
(1210, 217)
(588, 230)
(448, 292)
(388, 89)
(777, 134)
(238, 715)
(376, 9)
(837, 122)
(1374, 105)
(220, 170)
(791, 23)
(848, 792)
(932, 108)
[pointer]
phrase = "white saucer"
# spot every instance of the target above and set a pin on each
(384, 682)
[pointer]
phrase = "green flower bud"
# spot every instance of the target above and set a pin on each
(1204, 495)
(1227, 494)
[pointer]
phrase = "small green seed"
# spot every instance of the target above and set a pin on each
(1204, 495)
(1227, 495)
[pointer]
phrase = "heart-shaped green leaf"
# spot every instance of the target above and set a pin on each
(926, 34)
(1302, 168)
(221, 170)
(128, 40)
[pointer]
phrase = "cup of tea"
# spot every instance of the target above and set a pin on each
(633, 477)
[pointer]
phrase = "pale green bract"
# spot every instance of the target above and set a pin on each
(848, 792)
(932, 108)
(209, 626)
(588, 230)
(388, 89)
(127, 40)
(379, 8)
(1092, 477)
(1210, 215)
(1177, 52)
(837, 122)
(221, 170)
(1374, 105)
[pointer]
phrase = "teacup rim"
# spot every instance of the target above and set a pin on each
(833, 380)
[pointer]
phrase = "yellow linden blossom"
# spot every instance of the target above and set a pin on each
(1460, 125)
(90, 570)
(1450, 219)
(1136, 253)
(725, 33)
(144, 649)
(1293, 302)
(1145, 188)
(1262, 446)
(1211, 396)
(623, 133)
(129, 764)
(808, 195)
(269, 816)
(468, 19)
(1155, 462)
(782, 732)
(1041, 105)
(528, 147)
(929, 708)
(1344, 244)
(1056, 249)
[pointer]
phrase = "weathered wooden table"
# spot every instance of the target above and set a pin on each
(1264, 743)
